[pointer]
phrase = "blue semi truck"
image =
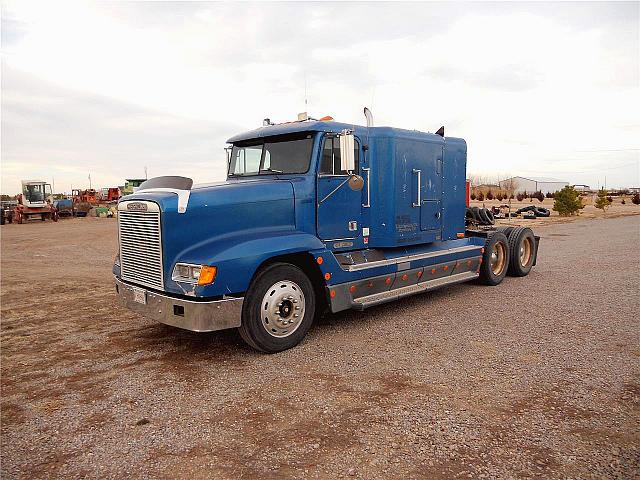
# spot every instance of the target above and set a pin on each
(314, 215)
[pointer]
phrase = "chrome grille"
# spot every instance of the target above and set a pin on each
(141, 245)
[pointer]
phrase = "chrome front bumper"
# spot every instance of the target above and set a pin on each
(187, 314)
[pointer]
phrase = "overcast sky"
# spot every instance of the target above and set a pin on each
(106, 89)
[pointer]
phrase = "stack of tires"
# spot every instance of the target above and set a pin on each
(534, 211)
(479, 216)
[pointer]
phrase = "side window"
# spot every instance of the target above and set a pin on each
(247, 159)
(330, 162)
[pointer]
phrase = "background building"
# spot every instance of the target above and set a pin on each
(532, 184)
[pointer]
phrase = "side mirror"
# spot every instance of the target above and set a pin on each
(347, 146)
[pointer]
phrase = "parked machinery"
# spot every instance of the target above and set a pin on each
(34, 202)
(83, 200)
(110, 194)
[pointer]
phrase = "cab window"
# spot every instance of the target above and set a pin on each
(330, 163)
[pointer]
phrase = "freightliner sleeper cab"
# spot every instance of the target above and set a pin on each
(313, 215)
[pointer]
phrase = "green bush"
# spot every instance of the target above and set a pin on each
(480, 197)
(567, 201)
(603, 201)
(489, 195)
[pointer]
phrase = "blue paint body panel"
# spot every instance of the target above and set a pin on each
(240, 223)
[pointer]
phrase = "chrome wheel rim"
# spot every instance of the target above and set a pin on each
(525, 252)
(498, 258)
(282, 309)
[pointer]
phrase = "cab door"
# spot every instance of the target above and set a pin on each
(339, 207)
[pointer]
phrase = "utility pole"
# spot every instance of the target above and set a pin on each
(145, 173)
(89, 181)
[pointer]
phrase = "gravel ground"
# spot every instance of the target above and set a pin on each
(538, 377)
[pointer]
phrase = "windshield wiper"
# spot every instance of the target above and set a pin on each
(269, 169)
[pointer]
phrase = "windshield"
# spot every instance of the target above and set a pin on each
(34, 193)
(284, 154)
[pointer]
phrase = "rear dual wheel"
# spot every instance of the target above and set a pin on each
(278, 309)
(495, 259)
(522, 244)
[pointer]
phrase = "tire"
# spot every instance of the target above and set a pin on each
(530, 208)
(490, 216)
(468, 215)
(484, 218)
(493, 270)
(279, 290)
(475, 211)
(505, 230)
(542, 212)
(522, 245)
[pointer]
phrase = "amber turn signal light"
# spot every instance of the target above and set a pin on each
(207, 275)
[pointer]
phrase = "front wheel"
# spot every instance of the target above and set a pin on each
(279, 308)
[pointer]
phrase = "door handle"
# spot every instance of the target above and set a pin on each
(419, 172)
(368, 204)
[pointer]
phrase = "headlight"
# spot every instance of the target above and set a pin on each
(188, 273)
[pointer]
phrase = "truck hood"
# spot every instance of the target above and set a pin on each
(217, 216)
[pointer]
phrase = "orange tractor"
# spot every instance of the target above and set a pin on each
(34, 202)
(83, 200)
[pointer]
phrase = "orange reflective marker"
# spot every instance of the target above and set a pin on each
(319, 260)
(468, 263)
(388, 281)
(419, 274)
(352, 288)
(445, 268)
(332, 293)
(405, 277)
(327, 276)
(433, 270)
(207, 275)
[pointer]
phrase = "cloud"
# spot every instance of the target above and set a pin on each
(51, 132)
(118, 85)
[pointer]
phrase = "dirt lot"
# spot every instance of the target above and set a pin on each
(539, 376)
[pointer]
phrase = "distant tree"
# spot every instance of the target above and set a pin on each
(525, 194)
(567, 201)
(636, 199)
(511, 197)
(499, 197)
(549, 195)
(602, 202)
(539, 195)
(480, 196)
(489, 195)
(610, 198)
(472, 196)
(520, 197)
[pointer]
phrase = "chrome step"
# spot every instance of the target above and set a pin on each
(387, 296)
(409, 258)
